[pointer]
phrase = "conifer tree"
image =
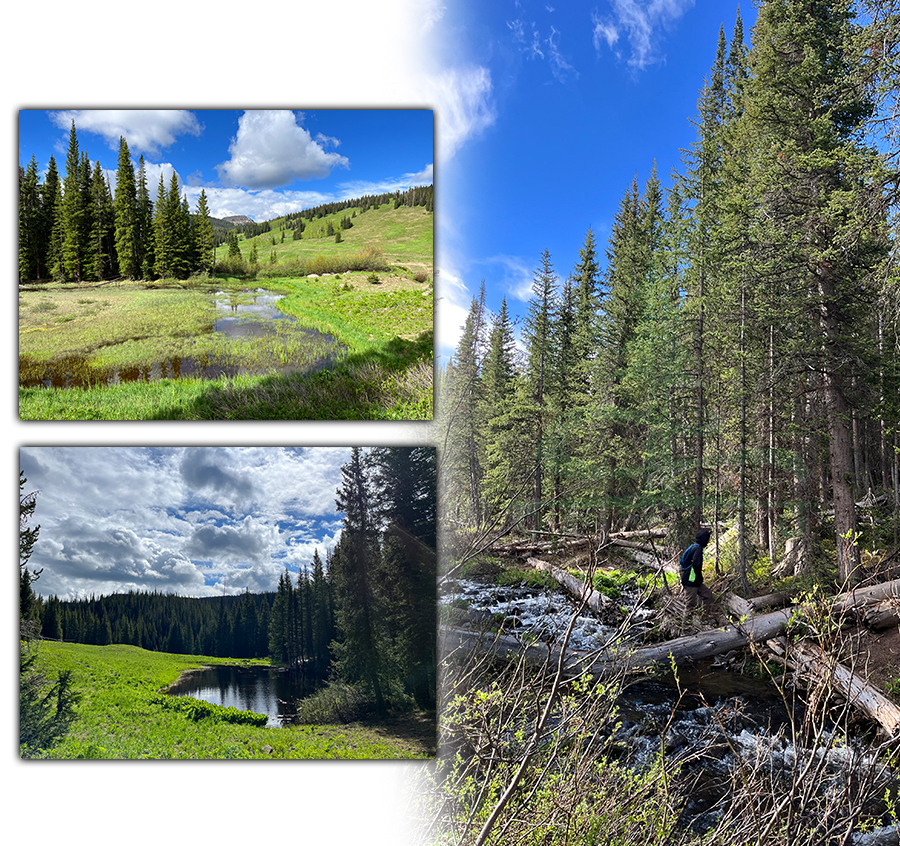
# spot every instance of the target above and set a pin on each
(102, 226)
(499, 422)
(50, 230)
(127, 223)
(205, 240)
(816, 223)
(72, 217)
(459, 410)
(30, 258)
(162, 235)
(144, 223)
(404, 502)
(538, 373)
(357, 652)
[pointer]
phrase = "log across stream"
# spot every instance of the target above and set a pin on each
(731, 716)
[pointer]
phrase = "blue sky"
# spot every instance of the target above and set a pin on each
(197, 521)
(575, 101)
(262, 162)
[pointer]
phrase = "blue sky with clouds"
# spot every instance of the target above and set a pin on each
(260, 162)
(566, 103)
(197, 521)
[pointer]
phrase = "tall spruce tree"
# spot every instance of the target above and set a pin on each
(127, 223)
(72, 216)
(144, 223)
(538, 335)
(205, 239)
(818, 226)
(30, 258)
(358, 649)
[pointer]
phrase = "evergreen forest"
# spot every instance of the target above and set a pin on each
(726, 367)
(732, 354)
(77, 227)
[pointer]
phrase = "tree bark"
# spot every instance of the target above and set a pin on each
(595, 600)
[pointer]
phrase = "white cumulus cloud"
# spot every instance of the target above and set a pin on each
(145, 130)
(272, 149)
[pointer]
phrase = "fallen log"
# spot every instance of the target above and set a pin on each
(745, 607)
(627, 544)
(640, 533)
(826, 671)
(706, 644)
(881, 615)
(535, 546)
(576, 588)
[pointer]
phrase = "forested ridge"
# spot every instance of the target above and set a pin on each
(364, 614)
(735, 360)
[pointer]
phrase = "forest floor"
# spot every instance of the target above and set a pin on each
(878, 657)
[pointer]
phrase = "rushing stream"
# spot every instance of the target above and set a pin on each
(729, 717)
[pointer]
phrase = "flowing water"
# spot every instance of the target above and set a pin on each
(240, 317)
(725, 716)
(263, 690)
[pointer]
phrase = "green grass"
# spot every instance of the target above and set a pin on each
(404, 235)
(385, 374)
(120, 715)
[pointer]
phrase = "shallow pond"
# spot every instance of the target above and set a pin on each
(263, 690)
(240, 317)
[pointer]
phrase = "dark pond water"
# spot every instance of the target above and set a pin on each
(240, 316)
(263, 690)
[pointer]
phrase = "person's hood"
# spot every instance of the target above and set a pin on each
(702, 537)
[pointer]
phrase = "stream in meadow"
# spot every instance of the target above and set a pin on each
(244, 317)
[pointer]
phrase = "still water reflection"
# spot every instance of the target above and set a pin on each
(263, 690)
(240, 316)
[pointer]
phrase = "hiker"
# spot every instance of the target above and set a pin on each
(692, 574)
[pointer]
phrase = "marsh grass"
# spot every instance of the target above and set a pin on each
(386, 373)
(120, 715)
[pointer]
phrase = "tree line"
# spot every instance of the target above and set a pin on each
(738, 356)
(74, 228)
(364, 615)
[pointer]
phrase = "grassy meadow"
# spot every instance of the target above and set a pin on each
(122, 714)
(382, 316)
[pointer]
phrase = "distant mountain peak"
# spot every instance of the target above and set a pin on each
(238, 219)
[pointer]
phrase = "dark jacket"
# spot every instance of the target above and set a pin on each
(692, 561)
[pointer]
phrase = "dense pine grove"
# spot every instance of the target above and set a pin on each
(736, 358)
(364, 615)
(75, 228)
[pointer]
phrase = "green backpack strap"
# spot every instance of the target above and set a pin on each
(687, 564)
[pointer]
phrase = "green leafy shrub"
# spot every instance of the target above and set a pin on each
(197, 709)
(335, 703)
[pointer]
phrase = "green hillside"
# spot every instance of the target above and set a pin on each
(404, 235)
